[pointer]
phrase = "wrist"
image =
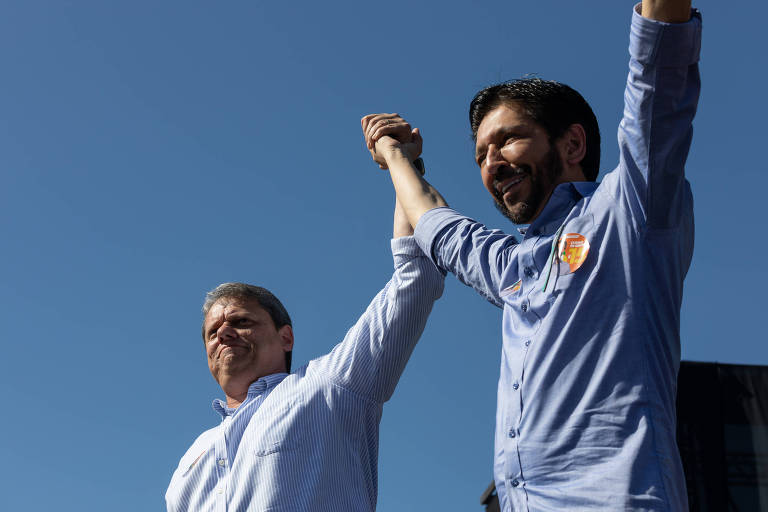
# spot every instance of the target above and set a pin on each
(394, 155)
(402, 160)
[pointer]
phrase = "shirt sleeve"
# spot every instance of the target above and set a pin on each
(656, 130)
(476, 255)
(373, 354)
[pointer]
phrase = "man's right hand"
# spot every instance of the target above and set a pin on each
(394, 146)
(388, 136)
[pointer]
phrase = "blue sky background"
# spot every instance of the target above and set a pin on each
(151, 150)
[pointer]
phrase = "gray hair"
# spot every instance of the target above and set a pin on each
(264, 297)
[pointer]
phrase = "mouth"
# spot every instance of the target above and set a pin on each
(508, 184)
(228, 348)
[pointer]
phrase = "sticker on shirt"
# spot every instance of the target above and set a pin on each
(193, 463)
(509, 290)
(572, 250)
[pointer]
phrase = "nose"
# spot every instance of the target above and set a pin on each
(225, 333)
(493, 159)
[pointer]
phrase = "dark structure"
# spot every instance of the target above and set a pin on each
(490, 500)
(722, 433)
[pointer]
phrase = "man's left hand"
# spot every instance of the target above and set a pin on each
(388, 134)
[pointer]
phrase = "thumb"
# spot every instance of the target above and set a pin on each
(416, 136)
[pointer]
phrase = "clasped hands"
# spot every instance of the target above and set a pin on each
(389, 136)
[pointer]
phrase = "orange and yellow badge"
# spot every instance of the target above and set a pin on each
(572, 250)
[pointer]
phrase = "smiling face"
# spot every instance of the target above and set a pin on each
(519, 166)
(241, 341)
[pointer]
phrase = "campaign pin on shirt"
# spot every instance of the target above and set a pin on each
(572, 250)
(509, 290)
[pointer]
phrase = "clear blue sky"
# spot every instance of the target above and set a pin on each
(151, 150)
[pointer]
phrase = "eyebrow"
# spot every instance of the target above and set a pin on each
(236, 315)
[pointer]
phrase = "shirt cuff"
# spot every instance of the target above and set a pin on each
(404, 248)
(430, 225)
(658, 43)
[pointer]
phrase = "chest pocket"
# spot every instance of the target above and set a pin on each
(279, 427)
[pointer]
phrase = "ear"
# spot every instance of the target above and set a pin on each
(286, 334)
(573, 146)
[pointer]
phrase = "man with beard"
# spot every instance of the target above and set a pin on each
(591, 293)
(308, 440)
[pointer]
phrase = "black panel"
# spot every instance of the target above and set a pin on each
(722, 434)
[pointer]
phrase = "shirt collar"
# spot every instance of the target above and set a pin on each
(560, 203)
(264, 384)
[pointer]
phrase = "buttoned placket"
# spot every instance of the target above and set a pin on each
(529, 275)
(222, 465)
(225, 453)
(530, 269)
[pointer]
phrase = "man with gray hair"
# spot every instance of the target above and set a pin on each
(307, 440)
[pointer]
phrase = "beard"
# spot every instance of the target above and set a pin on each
(550, 168)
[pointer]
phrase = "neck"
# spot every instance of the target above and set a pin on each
(235, 387)
(571, 173)
(236, 390)
(568, 176)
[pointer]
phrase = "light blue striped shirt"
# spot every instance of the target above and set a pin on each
(586, 397)
(309, 441)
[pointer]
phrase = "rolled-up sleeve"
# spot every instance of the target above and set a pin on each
(374, 352)
(476, 255)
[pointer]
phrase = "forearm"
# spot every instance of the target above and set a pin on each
(414, 194)
(401, 226)
(669, 11)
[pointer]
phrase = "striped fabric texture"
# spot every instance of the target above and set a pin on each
(309, 440)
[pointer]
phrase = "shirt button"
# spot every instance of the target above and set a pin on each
(515, 386)
(527, 343)
(524, 307)
(222, 462)
(528, 272)
(515, 483)
(512, 433)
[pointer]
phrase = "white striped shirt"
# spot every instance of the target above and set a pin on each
(309, 441)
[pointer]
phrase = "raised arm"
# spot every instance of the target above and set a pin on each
(659, 106)
(374, 352)
(475, 254)
(395, 146)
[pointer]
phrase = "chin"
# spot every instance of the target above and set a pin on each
(519, 213)
(522, 212)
